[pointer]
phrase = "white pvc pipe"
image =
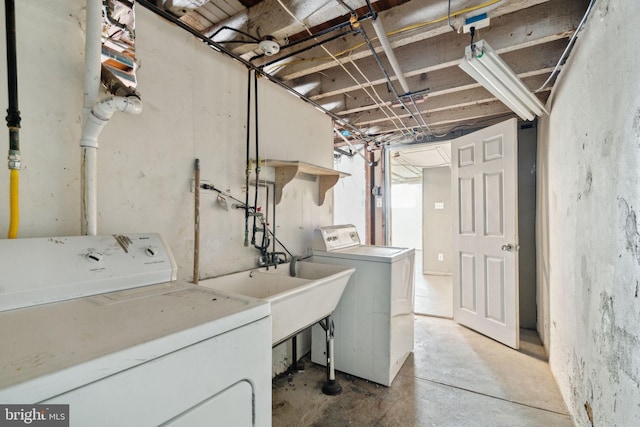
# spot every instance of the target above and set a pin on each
(89, 171)
(386, 46)
(94, 123)
(93, 51)
(96, 114)
(102, 112)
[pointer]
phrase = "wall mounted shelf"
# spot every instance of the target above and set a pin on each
(286, 171)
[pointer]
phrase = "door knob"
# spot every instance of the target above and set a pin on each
(508, 247)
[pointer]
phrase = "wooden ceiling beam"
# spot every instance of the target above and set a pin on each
(413, 13)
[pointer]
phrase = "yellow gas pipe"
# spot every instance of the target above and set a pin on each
(14, 207)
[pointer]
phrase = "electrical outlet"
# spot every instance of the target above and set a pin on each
(440, 257)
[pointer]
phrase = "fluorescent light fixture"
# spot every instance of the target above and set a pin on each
(487, 68)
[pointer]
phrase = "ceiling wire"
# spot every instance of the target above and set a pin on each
(382, 102)
(284, 7)
(569, 46)
(399, 31)
(393, 89)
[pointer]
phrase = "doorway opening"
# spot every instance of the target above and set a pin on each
(420, 183)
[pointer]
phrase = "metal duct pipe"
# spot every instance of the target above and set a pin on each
(388, 50)
(13, 120)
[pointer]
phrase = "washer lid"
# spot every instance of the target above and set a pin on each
(67, 344)
(369, 253)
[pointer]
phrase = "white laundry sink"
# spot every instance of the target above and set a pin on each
(296, 302)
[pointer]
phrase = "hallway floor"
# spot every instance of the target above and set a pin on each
(433, 294)
(455, 377)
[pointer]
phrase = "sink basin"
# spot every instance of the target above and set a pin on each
(296, 302)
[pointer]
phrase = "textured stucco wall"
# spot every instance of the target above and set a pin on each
(588, 222)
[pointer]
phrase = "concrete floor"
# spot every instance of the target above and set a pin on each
(433, 294)
(455, 377)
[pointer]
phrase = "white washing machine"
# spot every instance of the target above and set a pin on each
(98, 322)
(374, 318)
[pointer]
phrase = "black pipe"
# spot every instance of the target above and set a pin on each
(248, 167)
(294, 354)
(374, 14)
(217, 46)
(347, 6)
(255, 199)
(315, 35)
(306, 48)
(13, 113)
(224, 27)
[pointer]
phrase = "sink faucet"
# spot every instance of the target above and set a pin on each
(292, 266)
(268, 259)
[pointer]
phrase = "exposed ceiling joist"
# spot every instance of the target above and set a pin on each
(529, 35)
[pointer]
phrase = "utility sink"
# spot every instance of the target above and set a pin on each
(296, 302)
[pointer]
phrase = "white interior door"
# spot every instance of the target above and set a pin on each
(485, 232)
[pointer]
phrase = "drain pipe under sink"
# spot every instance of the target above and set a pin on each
(96, 113)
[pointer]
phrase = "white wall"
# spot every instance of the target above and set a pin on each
(406, 215)
(437, 223)
(349, 196)
(194, 106)
(588, 222)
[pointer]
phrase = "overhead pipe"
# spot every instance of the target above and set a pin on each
(13, 120)
(97, 114)
(388, 50)
(399, 98)
(248, 162)
(306, 48)
(315, 36)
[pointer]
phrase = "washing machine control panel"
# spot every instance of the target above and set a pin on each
(43, 270)
(336, 237)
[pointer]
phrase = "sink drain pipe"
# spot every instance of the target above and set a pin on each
(13, 120)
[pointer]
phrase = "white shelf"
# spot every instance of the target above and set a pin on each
(286, 171)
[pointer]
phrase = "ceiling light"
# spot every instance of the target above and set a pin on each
(487, 68)
(269, 46)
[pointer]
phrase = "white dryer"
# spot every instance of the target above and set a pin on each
(374, 318)
(96, 322)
